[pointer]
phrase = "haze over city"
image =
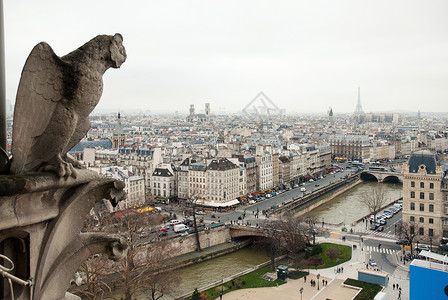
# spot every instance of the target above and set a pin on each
(305, 55)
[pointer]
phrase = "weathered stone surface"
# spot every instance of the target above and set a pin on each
(49, 214)
(41, 214)
(54, 100)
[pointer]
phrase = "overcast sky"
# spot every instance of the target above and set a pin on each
(304, 55)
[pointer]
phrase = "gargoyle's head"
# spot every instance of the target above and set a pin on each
(117, 249)
(117, 51)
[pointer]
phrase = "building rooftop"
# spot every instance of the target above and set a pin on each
(221, 164)
(103, 144)
(425, 158)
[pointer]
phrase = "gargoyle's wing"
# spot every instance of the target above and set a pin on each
(40, 90)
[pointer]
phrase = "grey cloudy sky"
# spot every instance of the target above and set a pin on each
(305, 55)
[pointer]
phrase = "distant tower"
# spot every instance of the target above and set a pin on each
(330, 113)
(118, 138)
(191, 109)
(419, 115)
(359, 110)
(207, 112)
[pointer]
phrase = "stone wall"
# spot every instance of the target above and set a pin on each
(179, 245)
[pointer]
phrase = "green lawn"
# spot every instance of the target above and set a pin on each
(346, 255)
(369, 290)
(328, 263)
(251, 280)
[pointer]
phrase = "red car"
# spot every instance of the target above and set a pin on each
(381, 228)
(163, 232)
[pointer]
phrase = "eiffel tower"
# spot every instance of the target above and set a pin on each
(358, 110)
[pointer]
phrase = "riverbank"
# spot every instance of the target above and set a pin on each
(326, 198)
(326, 193)
(230, 278)
(188, 259)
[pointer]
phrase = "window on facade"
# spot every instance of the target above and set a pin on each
(412, 206)
(422, 220)
(431, 208)
(412, 194)
(431, 196)
(431, 185)
(422, 207)
(421, 231)
(412, 183)
(412, 229)
(412, 218)
(431, 221)
(422, 195)
(431, 232)
(422, 185)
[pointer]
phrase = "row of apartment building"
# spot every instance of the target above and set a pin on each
(219, 179)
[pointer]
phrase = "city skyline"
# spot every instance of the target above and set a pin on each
(304, 56)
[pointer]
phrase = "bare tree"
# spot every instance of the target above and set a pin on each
(161, 278)
(310, 229)
(146, 266)
(134, 270)
(409, 231)
(94, 277)
(334, 252)
(93, 272)
(284, 235)
(193, 203)
(374, 199)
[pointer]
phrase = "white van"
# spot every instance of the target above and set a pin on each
(180, 228)
(303, 189)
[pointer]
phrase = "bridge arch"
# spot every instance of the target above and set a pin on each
(366, 176)
(391, 179)
(243, 231)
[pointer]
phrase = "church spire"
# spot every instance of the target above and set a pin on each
(118, 138)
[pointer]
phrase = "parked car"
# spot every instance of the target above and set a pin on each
(188, 222)
(389, 215)
(381, 221)
(422, 248)
(393, 210)
(311, 180)
(380, 228)
(174, 222)
(303, 189)
(402, 242)
(372, 262)
(316, 184)
(373, 227)
(180, 228)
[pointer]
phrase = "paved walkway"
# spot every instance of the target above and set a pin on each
(334, 289)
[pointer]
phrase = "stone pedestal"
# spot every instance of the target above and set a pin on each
(41, 216)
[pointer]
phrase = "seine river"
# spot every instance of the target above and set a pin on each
(347, 207)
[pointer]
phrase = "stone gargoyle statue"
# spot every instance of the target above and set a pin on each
(54, 100)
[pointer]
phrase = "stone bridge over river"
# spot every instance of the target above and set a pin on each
(381, 176)
(237, 231)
